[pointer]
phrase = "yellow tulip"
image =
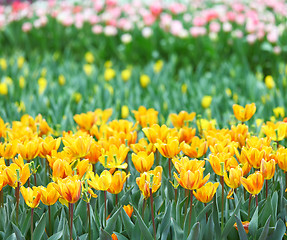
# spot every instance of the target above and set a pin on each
(206, 101)
(244, 113)
(169, 149)
(267, 168)
(142, 161)
(49, 195)
(102, 182)
(196, 149)
(253, 183)
(32, 196)
(118, 180)
(146, 117)
(206, 193)
(179, 120)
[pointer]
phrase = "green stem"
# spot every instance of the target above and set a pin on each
(266, 185)
(17, 193)
(32, 214)
(144, 205)
(71, 205)
(249, 207)
(222, 203)
(169, 167)
(105, 194)
(1, 198)
(256, 198)
(190, 210)
(89, 219)
(152, 213)
(206, 215)
(50, 225)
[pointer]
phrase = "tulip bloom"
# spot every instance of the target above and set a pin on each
(150, 179)
(244, 114)
(10, 174)
(276, 132)
(146, 117)
(143, 146)
(178, 120)
(225, 160)
(8, 150)
(185, 163)
(102, 182)
(233, 180)
(156, 132)
(29, 149)
(281, 157)
(48, 145)
(186, 134)
(169, 149)
(32, 196)
(253, 183)
(69, 188)
(83, 167)
(118, 180)
(254, 156)
(196, 149)
(267, 169)
(49, 195)
(206, 193)
(142, 161)
(128, 209)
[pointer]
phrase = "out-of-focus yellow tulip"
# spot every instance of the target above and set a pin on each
(156, 132)
(253, 183)
(179, 120)
(276, 131)
(142, 161)
(8, 150)
(244, 113)
(267, 168)
(146, 117)
(206, 193)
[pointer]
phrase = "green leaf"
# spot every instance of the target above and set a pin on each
(56, 236)
(120, 236)
(264, 234)
(241, 231)
(274, 204)
(178, 232)
(279, 231)
(83, 237)
(18, 233)
(81, 210)
(215, 218)
(253, 225)
(12, 237)
(129, 225)
(165, 223)
(40, 228)
(104, 235)
(195, 231)
(111, 223)
(144, 229)
(202, 213)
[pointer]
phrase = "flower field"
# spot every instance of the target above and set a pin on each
(143, 120)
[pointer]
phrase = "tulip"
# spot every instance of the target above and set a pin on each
(128, 209)
(196, 149)
(117, 183)
(244, 114)
(142, 161)
(48, 145)
(29, 149)
(233, 180)
(186, 134)
(276, 132)
(156, 132)
(185, 164)
(206, 192)
(268, 170)
(222, 162)
(179, 120)
(253, 183)
(143, 146)
(8, 150)
(146, 117)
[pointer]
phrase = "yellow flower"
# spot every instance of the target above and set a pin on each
(146, 117)
(179, 120)
(22, 82)
(235, 97)
(109, 74)
(125, 111)
(3, 88)
(185, 164)
(206, 193)
(118, 180)
(150, 179)
(144, 80)
(158, 66)
(77, 97)
(245, 226)
(244, 113)
(254, 155)
(184, 88)
(142, 161)
(275, 131)
(88, 69)
(267, 168)
(20, 62)
(89, 57)
(206, 101)
(10, 174)
(126, 74)
(169, 149)
(8, 150)
(61, 79)
(102, 182)
(3, 64)
(233, 179)
(32, 196)
(279, 112)
(281, 157)
(222, 162)
(253, 183)
(49, 195)
(29, 149)
(42, 82)
(128, 209)
(196, 149)
(269, 82)
(228, 92)
(108, 64)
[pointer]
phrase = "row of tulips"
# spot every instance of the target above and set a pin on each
(96, 157)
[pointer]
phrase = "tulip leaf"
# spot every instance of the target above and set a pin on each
(129, 226)
(202, 213)
(215, 218)
(104, 235)
(195, 232)
(40, 228)
(165, 223)
(253, 225)
(264, 234)
(120, 236)
(208, 229)
(56, 236)
(144, 229)
(241, 231)
(18, 233)
(12, 237)
(111, 223)
(135, 232)
(178, 232)
(26, 224)
(279, 231)
(229, 225)
(274, 204)
(81, 210)
(83, 237)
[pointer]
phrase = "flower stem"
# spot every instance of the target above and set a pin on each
(157, 158)
(256, 198)
(116, 199)
(144, 204)
(266, 185)
(32, 214)
(50, 225)
(105, 194)
(222, 202)
(1, 198)
(89, 219)
(249, 206)
(71, 205)
(169, 167)
(175, 194)
(35, 179)
(190, 210)
(17, 195)
(152, 213)
(206, 215)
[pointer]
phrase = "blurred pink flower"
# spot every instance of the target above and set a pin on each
(110, 31)
(27, 26)
(177, 8)
(155, 8)
(97, 29)
(214, 27)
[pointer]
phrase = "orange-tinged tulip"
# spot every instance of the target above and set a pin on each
(146, 117)
(276, 131)
(267, 168)
(29, 149)
(206, 193)
(142, 161)
(259, 143)
(239, 134)
(69, 188)
(128, 209)
(3, 128)
(254, 156)
(196, 149)
(143, 146)
(245, 226)
(185, 163)
(86, 120)
(191, 180)
(83, 167)
(186, 134)
(8, 150)
(156, 132)
(114, 236)
(49, 195)
(253, 183)
(179, 120)
(169, 149)
(48, 145)
(2, 181)
(32, 196)
(233, 179)
(43, 126)
(118, 180)
(244, 114)
(95, 152)
(221, 147)
(77, 146)
(216, 136)
(102, 182)
(61, 169)
(11, 174)
(221, 162)
(114, 157)
(150, 179)
(281, 157)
